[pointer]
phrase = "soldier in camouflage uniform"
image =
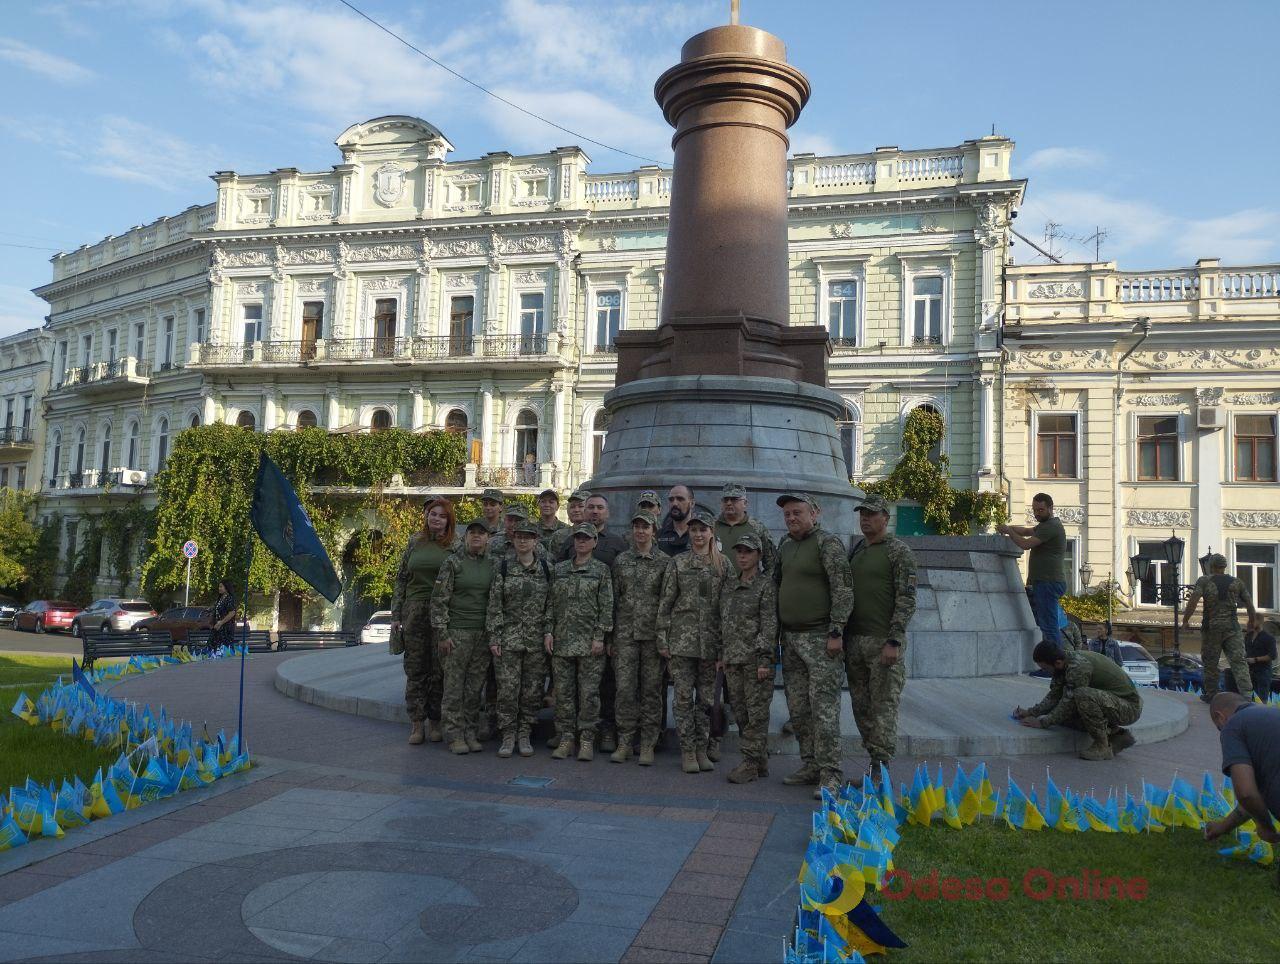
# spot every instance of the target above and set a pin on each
(690, 589)
(578, 620)
(459, 605)
(411, 612)
(577, 512)
(503, 544)
(491, 510)
(1220, 628)
(734, 522)
(637, 584)
(883, 574)
(746, 630)
(548, 523)
(815, 598)
(517, 617)
(1073, 636)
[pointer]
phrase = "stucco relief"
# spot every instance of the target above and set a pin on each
(527, 244)
(388, 184)
(1251, 519)
(1059, 360)
(1255, 398)
(1159, 518)
(308, 255)
(459, 248)
(1156, 401)
(403, 251)
(1056, 289)
(1071, 515)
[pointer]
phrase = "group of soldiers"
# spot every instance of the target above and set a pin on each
(607, 617)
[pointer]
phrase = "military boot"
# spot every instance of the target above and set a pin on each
(1121, 739)
(608, 741)
(646, 755)
(416, 734)
(586, 746)
(459, 745)
(473, 744)
(713, 749)
(1099, 749)
(744, 772)
(704, 761)
(807, 775)
(563, 748)
(623, 752)
(434, 732)
(831, 781)
(523, 746)
(689, 762)
(508, 745)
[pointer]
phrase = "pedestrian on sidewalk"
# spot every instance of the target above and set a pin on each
(459, 606)
(411, 616)
(224, 616)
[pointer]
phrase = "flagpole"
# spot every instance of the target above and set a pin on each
(244, 646)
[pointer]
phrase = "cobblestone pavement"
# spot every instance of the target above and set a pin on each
(346, 844)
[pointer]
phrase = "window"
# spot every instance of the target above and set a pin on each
(461, 317)
(104, 459)
(1255, 448)
(193, 421)
(1158, 448)
(79, 459)
(72, 529)
(599, 429)
(307, 419)
(926, 311)
(384, 327)
(4, 477)
(312, 327)
(1073, 566)
(246, 420)
(199, 325)
(252, 315)
(1056, 446)
(1159, 574)
(21, 481)
(140, 340)
(111, 346)
(1256, 568)
(456, 422)
(527, 445)
(381, 420)
(55, 460)
(27, 401)
(162, 443)
(62, 362)
(531, 321)
(8, 413)
(608, 319)
(132, 461)
(166, 350)
(850, 443)
(842, 312)
(86, 350)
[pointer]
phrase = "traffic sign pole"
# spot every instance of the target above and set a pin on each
(186, 600)
(189, 549)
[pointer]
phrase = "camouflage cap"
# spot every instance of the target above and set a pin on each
(478, 524)
(874, 503)
(648, 497)
(491, 495)
(526, 528)
(579, 495)
(648, 517)
(584, 529)
(797, 497)
(703, 516)
(551, 492)
(748, 540)
(1217, 561)
(516, 511)
(733, 490)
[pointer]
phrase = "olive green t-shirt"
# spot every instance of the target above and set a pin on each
(804, 594)
(1107, 676)
(470, 602)
(873, 597)
(1048, 561)
(425, 560)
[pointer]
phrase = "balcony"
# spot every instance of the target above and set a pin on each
(448, 350)
(95, 481)
(16, 439)
(107, 376)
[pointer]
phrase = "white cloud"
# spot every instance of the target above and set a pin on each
(131, 151)
(809, 142)
(20, 310)
(41, 62)
(1050, 158)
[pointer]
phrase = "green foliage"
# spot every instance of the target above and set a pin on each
(19, 538)
(922, 476)
(84, 567)
(206, 489)
(44, 563)
(1091, 607)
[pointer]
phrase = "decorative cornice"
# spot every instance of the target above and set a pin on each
(1071, 515)
(1058, 360)
(1251, 519)
(1159, 518)
(1052, 290)
(1157, 401)
(1255, 398)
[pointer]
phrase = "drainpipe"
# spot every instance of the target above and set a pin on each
(1142, 328)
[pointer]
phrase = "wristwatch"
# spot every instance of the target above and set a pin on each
(893, 642)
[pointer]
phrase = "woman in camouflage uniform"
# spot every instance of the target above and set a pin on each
(690, 590)
(459, 607)
(411, 615)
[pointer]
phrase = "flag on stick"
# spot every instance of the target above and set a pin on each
(283, 526)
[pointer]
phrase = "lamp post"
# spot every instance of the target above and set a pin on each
(1169, 591)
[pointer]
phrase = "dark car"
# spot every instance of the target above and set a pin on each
(1192, 669)
(45, 614)
(179, 621)
(9, 608)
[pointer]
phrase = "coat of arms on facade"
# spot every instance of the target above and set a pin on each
(388, 183)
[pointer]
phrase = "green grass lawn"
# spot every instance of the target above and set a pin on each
(37, 751)
(1197, 907)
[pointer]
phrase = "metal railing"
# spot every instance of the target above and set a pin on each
(525, 474)
(926, 340)
(15, 435)
(226, 354)
(363, 349)
(422, 348)
(513, 346)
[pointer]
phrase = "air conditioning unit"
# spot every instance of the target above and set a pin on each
(133, 477)
(1211, 416)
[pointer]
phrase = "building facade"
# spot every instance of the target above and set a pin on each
(403, 288)
(24, 380)
(1146, 404)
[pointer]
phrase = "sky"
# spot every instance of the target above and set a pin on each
(1148, 118)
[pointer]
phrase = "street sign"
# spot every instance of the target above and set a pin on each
(189, 549)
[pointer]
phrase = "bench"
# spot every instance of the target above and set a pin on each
(259, 640)
(315, 639)
(107, 645)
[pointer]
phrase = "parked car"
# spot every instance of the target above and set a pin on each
(1192, 669)
(179, 621)
(378, 628)
(9, 608)
(111, 615)
(42, 615)
(1139, 665)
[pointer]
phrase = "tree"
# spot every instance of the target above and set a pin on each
(19, 539)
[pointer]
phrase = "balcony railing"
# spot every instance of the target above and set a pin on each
(927, 340)
(525, 474)
(15, 435)
(1162, 287)
(226, 354)
(513, 346)
(106, 371)
(402, 348)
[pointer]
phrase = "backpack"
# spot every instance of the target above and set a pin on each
(546, 568)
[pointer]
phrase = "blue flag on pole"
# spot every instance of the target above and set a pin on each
(282, 524)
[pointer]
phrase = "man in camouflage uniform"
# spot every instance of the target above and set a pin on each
(1073, 636)
(517, 616)
(637, 584)
(746, 630)
(1220, 628)
(883, 574)
(578, 620)
(815, 598)
(459, 606)
(1087, 692)
(500, 542)
(491, 510)
(577, 512)
(548, 523)
(734, 522)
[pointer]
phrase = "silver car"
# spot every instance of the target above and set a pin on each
(111, 615)
(378, 628)
(1139, 665)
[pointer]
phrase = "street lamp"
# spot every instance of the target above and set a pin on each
(1204, 562)
(1086, 574)
(1169, 591)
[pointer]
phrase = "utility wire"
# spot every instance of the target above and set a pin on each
(480, 87)
(30, 247)
(1052, 257)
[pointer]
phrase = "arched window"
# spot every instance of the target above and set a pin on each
(307, 419)
(851, 441)
(132, 461)
(935, 451)
(194, 420)
(456, 422)
(78, 463)
(381, 420)
(104, 461)
(599, 429)
(527, 443)
(246, 420)
(55, 463)
(162, 443)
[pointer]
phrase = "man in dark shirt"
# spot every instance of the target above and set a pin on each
(673, 537)
(1047, 567)
(1260, 657)
(1251, 757)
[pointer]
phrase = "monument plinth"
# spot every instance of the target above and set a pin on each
(725, 389)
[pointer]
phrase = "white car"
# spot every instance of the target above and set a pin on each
(1140, 665)
(377, 629)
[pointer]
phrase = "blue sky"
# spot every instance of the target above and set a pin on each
(1150, 119)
